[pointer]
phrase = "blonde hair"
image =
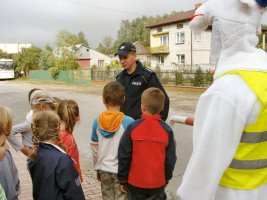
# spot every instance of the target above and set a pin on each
(153, 100)
(45, 127)
(68, 112)
(5, 120)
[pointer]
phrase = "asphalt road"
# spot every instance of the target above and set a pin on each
(15, 94)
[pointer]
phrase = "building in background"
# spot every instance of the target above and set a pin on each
(87, 57)
(13, 48)
(142, 52)
(174, 47)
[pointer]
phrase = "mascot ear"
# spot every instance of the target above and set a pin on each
(250, 3)
(198, 24)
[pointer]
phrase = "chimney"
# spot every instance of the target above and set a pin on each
(197, 5)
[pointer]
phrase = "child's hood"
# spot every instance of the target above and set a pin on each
(109, 122)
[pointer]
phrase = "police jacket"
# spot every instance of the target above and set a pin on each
(54, 176)
(134, 85)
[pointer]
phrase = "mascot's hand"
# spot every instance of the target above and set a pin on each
(176, 119)
(180, 119)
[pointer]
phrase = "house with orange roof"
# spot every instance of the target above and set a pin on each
(173, 46)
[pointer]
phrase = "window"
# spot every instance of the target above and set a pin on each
(198, 38)
(164, 40)
(180, 26)
(100, 63)
(181, 59)
(159, 29)
(161, 60)
(180, 38)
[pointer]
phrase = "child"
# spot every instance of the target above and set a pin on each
(106, 134)
(147, 153)
(39, 100)
(8, 172)
(2, 193)
(51, 169)
(68, 112)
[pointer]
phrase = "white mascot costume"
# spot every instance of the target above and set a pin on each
(229, 159)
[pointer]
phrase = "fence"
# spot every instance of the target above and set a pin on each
(197, 79)
(71, 76)
(166, 77)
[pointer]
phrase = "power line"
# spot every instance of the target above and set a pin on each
(102, 8)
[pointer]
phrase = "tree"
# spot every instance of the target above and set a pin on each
(27, 59)
(66, 50)
(81, 39)
(66, 39)
(47, 58)
(106, 46)
(4, 54)
(135, 30)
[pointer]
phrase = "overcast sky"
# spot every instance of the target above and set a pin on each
(39, 21)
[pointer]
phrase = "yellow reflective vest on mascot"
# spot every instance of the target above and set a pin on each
(248, 169)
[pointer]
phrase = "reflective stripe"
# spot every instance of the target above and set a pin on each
(248, 164)
(254, 137)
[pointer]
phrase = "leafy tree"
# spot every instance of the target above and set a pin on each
(4, 54)
(81, 39)
(135, 30)
(47, 58)
(106, 46)
(27, 59)
(66, 39)
(65, 51)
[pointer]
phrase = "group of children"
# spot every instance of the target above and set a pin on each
(133, 159)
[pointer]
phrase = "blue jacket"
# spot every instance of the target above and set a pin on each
(54, 176)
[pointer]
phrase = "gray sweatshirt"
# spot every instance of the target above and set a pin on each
(24, 129)
(9, 178)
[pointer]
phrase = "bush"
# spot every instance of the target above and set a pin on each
(209, 76)
(54, 72)
(198, 80)
(179, 78)
(165, 79)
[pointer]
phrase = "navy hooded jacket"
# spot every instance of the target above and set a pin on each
(54, 176)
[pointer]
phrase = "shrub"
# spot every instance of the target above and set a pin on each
(209, 76)
(179, 78)
(198, 80)
(54, 72)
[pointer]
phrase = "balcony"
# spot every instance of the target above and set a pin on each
(159, 50)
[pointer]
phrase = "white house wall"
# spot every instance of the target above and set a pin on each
(83, 52)
(201, 49)
(96, 56)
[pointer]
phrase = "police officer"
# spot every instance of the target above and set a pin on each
(136, 78)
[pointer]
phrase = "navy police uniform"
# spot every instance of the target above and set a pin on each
(134, 85)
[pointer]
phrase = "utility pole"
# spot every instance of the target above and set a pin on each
(191, 50)
(263, 40)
